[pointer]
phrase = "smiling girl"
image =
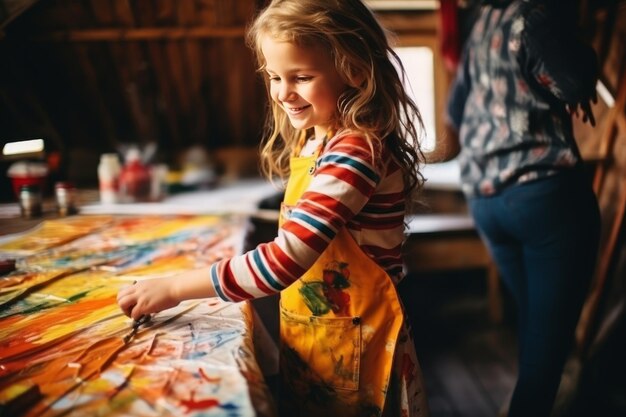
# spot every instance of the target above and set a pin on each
(341, 132)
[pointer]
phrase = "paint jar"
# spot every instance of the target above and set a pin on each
(65, 193)
(30, 201)
(158, 184)
(135, 181)
(27, 173)
(108, 176)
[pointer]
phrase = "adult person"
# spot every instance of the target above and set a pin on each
(522, 75)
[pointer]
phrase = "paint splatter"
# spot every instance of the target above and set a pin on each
(61, 328)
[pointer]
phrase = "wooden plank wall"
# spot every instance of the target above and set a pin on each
(91, 75)
(605, 146)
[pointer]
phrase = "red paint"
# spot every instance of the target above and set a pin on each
(192, 404)
(408, 369)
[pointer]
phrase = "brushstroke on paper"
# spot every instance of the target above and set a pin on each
(61, 332)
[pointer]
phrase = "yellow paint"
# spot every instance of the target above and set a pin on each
(65, 330)
(55, 232)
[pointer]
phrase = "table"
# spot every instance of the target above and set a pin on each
(62, 349)
(450, 242)
(442, 236)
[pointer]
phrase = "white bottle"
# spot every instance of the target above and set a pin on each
(109, 175)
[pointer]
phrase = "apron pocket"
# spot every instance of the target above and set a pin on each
(329, 349)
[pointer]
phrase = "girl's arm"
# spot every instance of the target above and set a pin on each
(154, 295)
(344, 182)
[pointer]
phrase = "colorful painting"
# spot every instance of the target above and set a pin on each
(62, 335)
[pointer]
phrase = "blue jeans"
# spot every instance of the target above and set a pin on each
(543, 236)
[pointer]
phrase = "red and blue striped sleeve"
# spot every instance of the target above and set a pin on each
(344, 181)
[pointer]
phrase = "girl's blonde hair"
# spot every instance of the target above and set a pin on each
(376, 103)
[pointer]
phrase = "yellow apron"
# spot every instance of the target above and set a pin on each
(339, 326)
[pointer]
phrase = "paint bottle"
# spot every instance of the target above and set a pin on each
(65, 193)
(30, 201)
(108, 176)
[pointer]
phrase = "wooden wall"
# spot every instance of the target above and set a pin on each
(605, 148)
(94, 75)
(91, 75)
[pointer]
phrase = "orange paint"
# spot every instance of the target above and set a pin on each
(27, 339)
(65, 334)
(208, 378)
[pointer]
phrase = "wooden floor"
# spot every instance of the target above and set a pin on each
(469, 363)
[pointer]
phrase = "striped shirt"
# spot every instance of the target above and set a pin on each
(346, 190)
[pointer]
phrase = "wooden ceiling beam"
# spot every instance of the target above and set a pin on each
(141, 34)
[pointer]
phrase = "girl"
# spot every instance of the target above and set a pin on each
(341, 127)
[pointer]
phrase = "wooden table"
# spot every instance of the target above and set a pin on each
(62, 348)
(449, 242)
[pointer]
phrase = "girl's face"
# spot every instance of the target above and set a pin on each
(303, 82)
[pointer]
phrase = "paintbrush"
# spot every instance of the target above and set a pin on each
(135, 327)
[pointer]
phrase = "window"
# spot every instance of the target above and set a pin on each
(403, 4)
(415, 26)
(418, 64)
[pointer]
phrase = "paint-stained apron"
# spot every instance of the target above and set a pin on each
(340, 327)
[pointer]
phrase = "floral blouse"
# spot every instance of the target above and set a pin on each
(520, 69)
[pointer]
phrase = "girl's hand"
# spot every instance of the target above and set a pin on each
(147, 297)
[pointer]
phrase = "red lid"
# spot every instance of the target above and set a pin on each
(64, 184)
